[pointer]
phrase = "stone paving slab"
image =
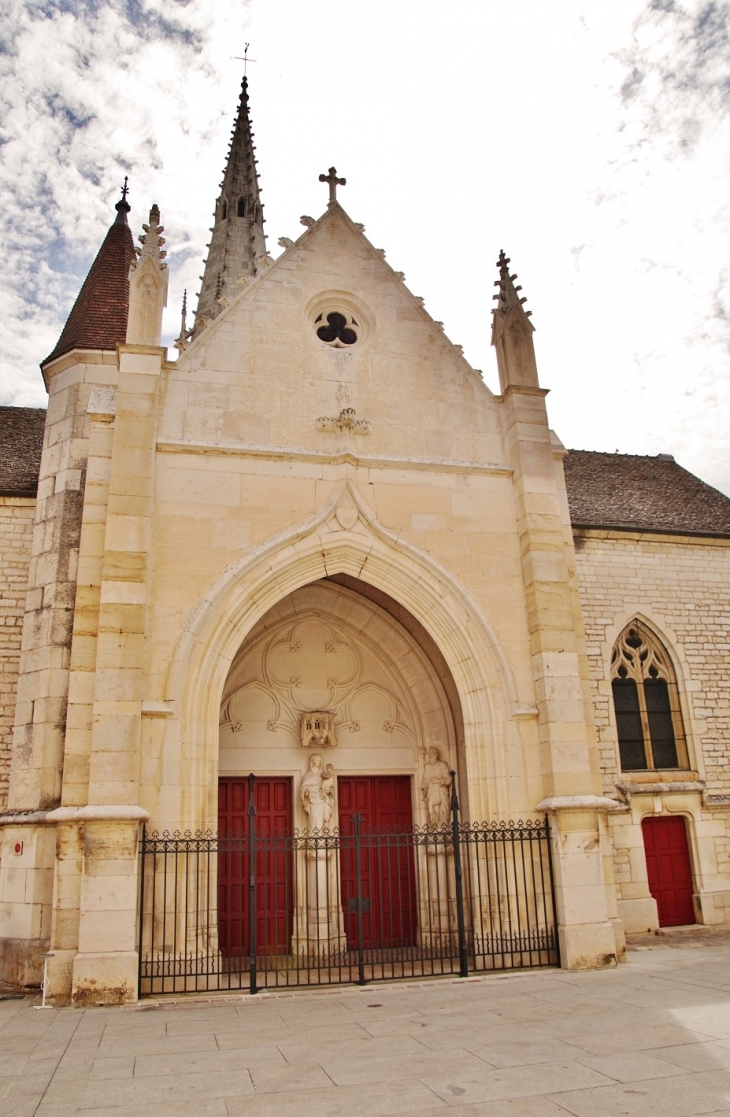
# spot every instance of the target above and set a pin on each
(647, 1039)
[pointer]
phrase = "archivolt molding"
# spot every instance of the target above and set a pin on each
(343, 537)
(351, 540)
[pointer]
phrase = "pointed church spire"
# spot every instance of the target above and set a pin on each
(98, 318)
(512, 332)
(238, 230)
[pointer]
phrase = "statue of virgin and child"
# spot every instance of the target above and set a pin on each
(318, 793)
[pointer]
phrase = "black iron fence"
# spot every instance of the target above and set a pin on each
(262, 910)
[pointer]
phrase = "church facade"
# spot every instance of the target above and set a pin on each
(317, 549)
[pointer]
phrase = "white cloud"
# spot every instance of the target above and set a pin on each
(590, 141)
(90, 92)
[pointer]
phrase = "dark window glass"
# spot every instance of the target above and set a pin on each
(241, 207)
(224, 211)
(628, 723)
(337, 330)
(659, 712)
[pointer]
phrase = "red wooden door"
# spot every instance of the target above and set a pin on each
(388, 883)
(670, 873)
(274, 900)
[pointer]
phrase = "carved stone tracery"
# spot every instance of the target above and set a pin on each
(638, 655)
(340, 681)
(357, 672)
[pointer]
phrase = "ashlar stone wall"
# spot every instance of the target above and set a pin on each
(681, 586)
(16, 534)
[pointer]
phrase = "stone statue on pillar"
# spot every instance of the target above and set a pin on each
(435, 788)
(318, 793)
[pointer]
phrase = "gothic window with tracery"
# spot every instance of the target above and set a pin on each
(646, 703)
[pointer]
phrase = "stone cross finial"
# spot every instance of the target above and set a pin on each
(334, 182)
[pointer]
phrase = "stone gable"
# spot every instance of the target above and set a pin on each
(260, 375)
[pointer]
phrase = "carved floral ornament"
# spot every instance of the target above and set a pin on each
(346, 421)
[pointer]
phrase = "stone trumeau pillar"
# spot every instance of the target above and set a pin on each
(83, 361)
(570, 774)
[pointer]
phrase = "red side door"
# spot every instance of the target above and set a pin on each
(274, 899)
(670, 872)
(388, 886)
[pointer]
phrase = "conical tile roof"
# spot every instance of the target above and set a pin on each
(98, 318)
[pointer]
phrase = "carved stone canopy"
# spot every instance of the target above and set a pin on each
(318, 730)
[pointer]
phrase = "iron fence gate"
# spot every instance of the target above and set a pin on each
(262, 910)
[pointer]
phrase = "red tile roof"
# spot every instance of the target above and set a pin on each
(620, 491)
(98, 318)
(630, 492)
(21, 442)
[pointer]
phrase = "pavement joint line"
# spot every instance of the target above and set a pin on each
(665, 982)
(243, 997)
(69, 1040)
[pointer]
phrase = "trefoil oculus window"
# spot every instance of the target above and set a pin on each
(337, 328)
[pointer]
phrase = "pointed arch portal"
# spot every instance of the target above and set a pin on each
(329, 649)
(337, 860)
(343, 539)
(329, 681)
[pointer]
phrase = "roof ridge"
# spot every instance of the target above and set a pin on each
(622, 454)
(642, 492)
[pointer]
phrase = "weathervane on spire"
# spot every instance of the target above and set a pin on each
(245, 59)
(334, 182)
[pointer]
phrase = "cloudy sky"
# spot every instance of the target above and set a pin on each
(589, 140)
